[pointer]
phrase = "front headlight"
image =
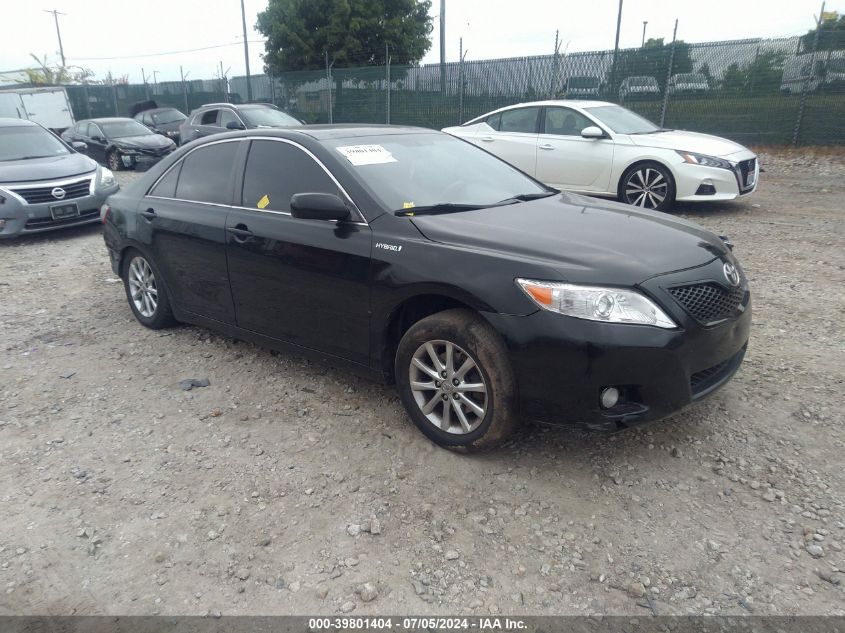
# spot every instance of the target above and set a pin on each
(704, 160)
(595, 303)
(107, 178)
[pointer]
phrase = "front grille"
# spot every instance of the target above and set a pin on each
(158, 151)
(706, 380)
(43, 223)
(709, 302)
(42, 194)
(745, 167)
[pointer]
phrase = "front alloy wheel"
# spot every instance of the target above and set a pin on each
(115, 164)
(448, 387)
(455, 379)
(649, 186)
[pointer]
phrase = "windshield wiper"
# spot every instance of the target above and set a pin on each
(526, 197)
(435, 209)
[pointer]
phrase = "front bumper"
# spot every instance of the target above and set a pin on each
(22, 218)
(562, 364)
(728, 184)
(139, 161)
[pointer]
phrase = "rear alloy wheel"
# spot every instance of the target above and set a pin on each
(648, 185)
(146, 293)
(455, 380)
(113, 159)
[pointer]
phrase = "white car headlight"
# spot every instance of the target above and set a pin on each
(704, 160)
(107, 178)
(596, 303)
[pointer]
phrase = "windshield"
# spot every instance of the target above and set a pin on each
(836, 66)
(583, 82)
(168, 116)
(622, 121)
(19, 143)
(268, 116)
(642, 81)
(418, 170)
(122, 129)
(690, 78)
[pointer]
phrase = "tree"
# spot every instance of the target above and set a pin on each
(760, 76)
(831, 34)
(49, 75)
(353, 32)
(652, 60)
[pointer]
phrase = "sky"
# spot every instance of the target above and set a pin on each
(131, 33)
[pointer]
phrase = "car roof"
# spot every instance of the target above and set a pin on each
(107, 119)
(327, 132)
(12, 122)
(154, 110)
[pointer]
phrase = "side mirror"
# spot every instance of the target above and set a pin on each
(98, 139)
(318, 206)
(592, 132)
(234, 125)
(79, 146)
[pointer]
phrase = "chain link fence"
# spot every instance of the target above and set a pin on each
(756, 91)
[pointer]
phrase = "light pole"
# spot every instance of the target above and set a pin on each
(246, 54)
(155, 82)
(616, 47)
(645, 23)
(56, 15)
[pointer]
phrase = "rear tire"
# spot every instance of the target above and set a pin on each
(648, 185)
(455, 380)
(146, 292)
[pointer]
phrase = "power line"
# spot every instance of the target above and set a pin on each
(187, 50)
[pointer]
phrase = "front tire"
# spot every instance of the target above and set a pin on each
(456, 382)
(146, 292)
(648, 185)
(113, 159)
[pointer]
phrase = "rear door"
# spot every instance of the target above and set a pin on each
(182, 220)
(301, 281)
(565, 159)
(513, 137)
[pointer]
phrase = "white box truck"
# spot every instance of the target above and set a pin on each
(48, 106)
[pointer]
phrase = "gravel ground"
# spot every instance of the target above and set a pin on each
(289, 487)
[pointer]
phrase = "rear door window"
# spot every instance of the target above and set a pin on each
(209, 117)
(206, 174)
(520, 120)
(275, 171)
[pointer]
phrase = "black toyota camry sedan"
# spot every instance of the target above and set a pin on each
(416, 258)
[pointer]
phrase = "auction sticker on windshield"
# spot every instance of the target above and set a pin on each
(366, 154)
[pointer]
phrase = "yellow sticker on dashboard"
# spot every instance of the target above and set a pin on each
(265, 200)
(408, 205)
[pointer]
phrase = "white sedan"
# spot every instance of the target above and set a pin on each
(604, 149)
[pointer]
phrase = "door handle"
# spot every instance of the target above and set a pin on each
(240, 232)
(547, 146)
(148, 214)
(487, 139)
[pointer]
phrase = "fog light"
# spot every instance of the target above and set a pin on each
(706, 188)
(609, 397)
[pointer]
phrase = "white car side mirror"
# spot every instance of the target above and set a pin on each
(592, 132)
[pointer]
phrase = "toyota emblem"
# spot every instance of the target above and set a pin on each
(731, 273)
(58, 193)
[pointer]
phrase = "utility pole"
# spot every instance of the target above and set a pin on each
(246, 54)
(616, 49)
(146, 85)
(56, 15)
(387, 82)
(184, 89)
(645, 23)
(443, 47)
(155, 82)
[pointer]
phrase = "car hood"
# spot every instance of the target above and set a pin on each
(147, 141)
(688, 141)
(51, 168)
(584, 239)
(167, 127)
